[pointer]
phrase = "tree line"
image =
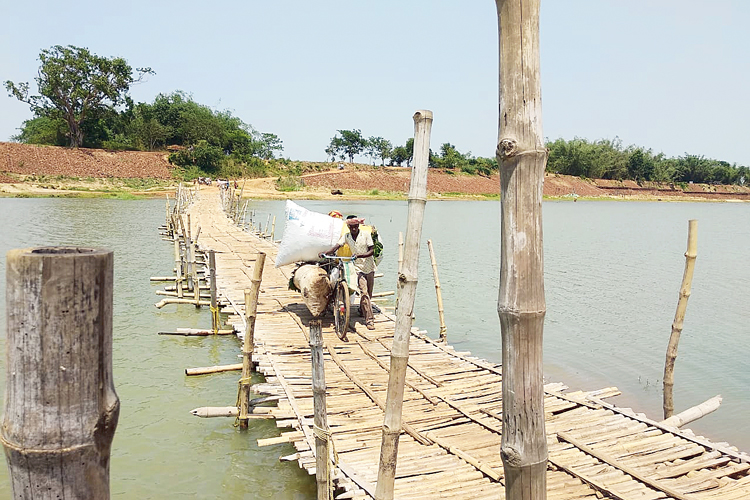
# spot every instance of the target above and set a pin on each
(602, 159)
(608, 159)
(83, 101)
(347, 144)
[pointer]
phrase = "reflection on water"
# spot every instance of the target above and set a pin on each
(612, 278)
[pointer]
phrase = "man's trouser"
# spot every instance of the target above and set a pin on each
(366, 282)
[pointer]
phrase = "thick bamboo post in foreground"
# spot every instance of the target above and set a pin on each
(438, 292)
(679, 317)
(251, 308)
(320, 417)
(407, 288)
(61, 408)
(212, 285)
(522, 158)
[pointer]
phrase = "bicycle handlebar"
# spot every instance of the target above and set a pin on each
(335, 257)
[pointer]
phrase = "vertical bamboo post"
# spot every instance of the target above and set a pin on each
(265, 231)
(522, 157)
(320, 417)
(273, 228)
(196, 279)
(212, 278)
(251, 308)
(61, 408)
(407, 288)
(679, 317)
(438, 292)
(178, 265)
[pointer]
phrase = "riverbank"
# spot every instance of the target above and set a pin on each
(48, 171)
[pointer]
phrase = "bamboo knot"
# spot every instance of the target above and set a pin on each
(511, 456)
(508, 148)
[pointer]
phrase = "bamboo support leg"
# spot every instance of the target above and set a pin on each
(320, 417)
(214, 306)
(251, 306)
(443, 329)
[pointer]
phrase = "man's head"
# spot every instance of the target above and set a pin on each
(353, 222)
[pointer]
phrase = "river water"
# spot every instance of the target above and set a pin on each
(612, 276)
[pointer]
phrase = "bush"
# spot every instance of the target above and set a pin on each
(289, 183)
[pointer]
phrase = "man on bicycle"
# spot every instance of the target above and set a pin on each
(362, 248)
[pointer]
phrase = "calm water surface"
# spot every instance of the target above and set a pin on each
(612, 277)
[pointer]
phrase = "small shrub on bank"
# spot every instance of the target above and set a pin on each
(289, 183)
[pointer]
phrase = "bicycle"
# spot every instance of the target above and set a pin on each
(339, 297)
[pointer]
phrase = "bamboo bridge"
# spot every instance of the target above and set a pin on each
(450, 444)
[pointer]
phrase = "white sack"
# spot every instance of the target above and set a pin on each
(306, 234)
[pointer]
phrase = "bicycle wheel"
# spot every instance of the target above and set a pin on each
(341, 309)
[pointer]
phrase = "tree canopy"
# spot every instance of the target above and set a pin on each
(76, 85)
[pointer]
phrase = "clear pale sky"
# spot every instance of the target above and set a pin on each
(667, 75)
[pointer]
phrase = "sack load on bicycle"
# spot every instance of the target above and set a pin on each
(358, 248)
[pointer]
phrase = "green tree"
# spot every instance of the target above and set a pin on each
(409, 151)
(349, 144)
(379, 148)
(43, 130)
(399, 155)
(640, 166)
(74, 84)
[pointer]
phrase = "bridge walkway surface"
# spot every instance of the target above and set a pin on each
(450, 444)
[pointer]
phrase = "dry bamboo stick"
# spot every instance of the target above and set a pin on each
(407, 285)
(679, 317)
(206, 370)
(443, 329)
(198, 303)
(251, 307)
(694, 413)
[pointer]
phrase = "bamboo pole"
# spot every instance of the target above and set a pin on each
(679, 317)
(214, 306)
(178, 266)
(407, 287)
(522, 158)
(207, 370)
(61, 408)
(273, 227)
(443, 329)
(694, 413)
(320, 417)
(251, 307)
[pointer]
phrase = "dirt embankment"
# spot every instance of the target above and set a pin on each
(21, 164)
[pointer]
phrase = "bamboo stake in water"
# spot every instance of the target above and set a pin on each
(679, 317)
(251, 308)
(443, 329)
(407, 287)
(273, 227)
(522, 157)
(320, 416)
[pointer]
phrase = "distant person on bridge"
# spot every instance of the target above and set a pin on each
(362, 247)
